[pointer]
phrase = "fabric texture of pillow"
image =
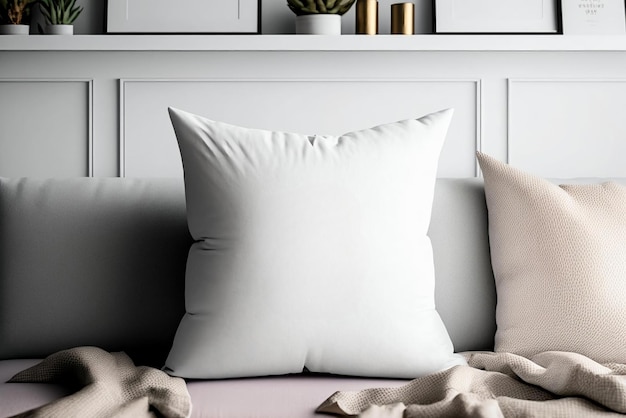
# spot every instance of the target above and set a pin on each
(310, 251)
(559, 260)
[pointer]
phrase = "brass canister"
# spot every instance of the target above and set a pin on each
(402, 15)
(367, 17)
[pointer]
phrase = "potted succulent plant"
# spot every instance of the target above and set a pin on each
(15, 16)
(60, 16)
(319, 17)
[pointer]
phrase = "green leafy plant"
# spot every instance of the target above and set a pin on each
(309, 7)
(59, 12)
(15, 12)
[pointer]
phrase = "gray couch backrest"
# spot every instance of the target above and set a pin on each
(101, 262)
(465, 292)
(91, 262)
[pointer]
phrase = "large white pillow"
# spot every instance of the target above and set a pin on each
(311, 251)
(559, 260)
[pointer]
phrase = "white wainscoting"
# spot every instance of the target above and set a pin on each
(46, 127)
(568, 127)
(321, 106)
(97, 105)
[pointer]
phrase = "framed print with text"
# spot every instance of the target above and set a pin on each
(593, 17)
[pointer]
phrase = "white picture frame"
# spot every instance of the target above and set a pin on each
(189, 16)
(593, 17)
(497, 16)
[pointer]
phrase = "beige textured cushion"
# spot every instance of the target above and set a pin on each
(559, 260)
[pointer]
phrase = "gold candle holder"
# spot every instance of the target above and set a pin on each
(402, 15)
(367, 17)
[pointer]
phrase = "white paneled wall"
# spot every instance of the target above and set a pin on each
(315, 106)
(568, 128)
(102, 110)
(45, 127)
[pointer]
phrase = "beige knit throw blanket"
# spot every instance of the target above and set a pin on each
(549, 384)
(112, 386)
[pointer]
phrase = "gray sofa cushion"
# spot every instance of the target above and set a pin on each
(91, 262)
(465, 293)
(101, 262)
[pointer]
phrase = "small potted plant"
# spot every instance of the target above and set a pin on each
(319, 17)
(15, 16)
(60, 16)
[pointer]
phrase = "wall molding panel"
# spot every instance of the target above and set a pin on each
(50, 134)
(97, 105)
(567, 127)
(339, 105)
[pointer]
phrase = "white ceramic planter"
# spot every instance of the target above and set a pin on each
(60, 29)
(14, 29)
(318, 24)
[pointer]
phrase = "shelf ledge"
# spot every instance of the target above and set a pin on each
(312, 43)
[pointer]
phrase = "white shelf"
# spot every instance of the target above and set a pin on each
(312, 43)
